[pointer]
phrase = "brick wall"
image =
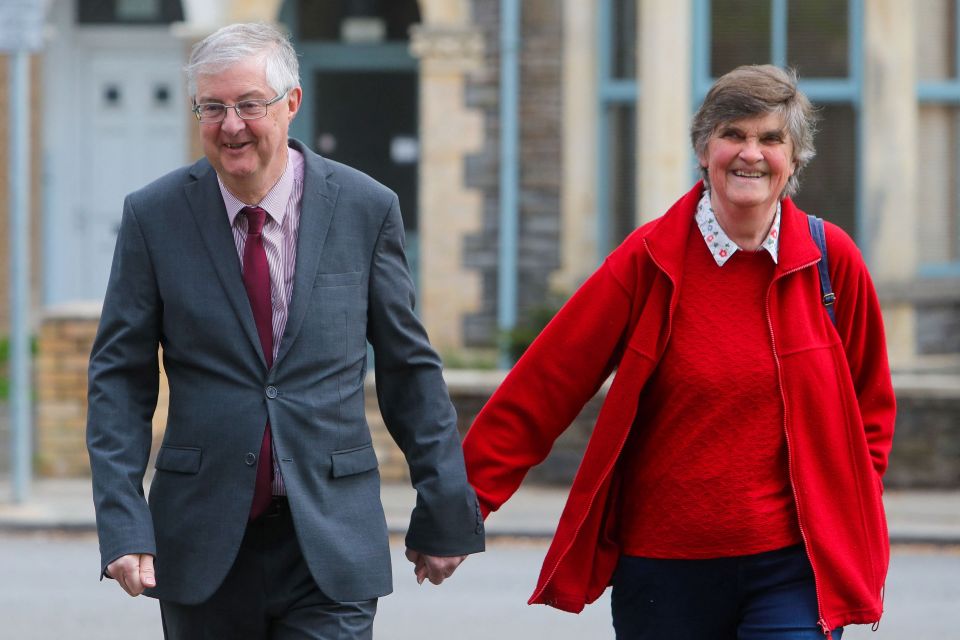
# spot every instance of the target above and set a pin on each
(63, 351)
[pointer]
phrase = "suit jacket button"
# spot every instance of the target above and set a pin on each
(271, 392)
(250, 459)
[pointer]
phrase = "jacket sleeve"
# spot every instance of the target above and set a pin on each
(122, 396)
(547, 388)
(416, 406)
(860, 325)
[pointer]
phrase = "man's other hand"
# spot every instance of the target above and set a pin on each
(436, 569)
(134, 572)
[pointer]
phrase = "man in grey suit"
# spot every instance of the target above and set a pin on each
(262, 271)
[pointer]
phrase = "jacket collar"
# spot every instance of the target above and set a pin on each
(320, 196)
(667, 239)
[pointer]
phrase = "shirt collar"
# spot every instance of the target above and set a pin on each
(274, 203)
(722, 247)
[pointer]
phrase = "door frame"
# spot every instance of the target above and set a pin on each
(337, 56)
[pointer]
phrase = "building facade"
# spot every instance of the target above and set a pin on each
(410, 91)
(526, 139)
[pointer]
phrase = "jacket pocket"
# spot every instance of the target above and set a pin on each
(178, 459)
(337, 279)
(353, 461)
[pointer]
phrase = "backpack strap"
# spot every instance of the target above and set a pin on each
(826, 291)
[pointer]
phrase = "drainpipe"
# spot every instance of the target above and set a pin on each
(509, 174)
(19, 243)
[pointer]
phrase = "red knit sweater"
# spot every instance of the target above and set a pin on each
(707, 460)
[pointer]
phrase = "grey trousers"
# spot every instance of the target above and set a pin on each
(269, 594)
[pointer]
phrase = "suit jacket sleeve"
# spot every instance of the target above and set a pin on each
(122, 397)
(416, 406)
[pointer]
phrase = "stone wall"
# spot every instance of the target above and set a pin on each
(926, 447)
(540, 160)
(470, 390)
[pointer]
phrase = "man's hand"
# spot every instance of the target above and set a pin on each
(134, 572)
(436, 569)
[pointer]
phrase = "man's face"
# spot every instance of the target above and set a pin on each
(248, 155)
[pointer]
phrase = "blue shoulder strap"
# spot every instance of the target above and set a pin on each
(826, 291)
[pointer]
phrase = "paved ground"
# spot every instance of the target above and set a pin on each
(50, 591)
(49, 562)
(914, 516)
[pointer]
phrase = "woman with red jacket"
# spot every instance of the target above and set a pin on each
(732, 484)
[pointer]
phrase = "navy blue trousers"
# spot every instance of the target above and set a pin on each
(766, 596)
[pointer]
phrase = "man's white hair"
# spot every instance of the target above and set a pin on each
(240, 42)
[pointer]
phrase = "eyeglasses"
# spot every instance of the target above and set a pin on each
(214, 112)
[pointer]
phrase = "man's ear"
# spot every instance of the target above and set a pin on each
(294, 99)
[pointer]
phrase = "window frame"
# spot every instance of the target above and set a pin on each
(613, 92)
(820, 90)
(945, 93)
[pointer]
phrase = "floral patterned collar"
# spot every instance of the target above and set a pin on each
(722, 247)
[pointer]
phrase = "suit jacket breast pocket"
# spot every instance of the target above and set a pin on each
(347, 279)
(340, 306)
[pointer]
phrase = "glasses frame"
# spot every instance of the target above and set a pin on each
(236, 108)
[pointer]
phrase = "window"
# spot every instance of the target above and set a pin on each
(938, 137)
(617, 123)
(820, 39)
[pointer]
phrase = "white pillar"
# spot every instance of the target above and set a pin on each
(449, 49)
(663, 109)
(890, 163)
(578, 195)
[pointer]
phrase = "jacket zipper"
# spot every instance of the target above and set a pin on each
(786, 432)
(623, 441)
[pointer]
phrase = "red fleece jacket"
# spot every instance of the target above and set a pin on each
(834, 383)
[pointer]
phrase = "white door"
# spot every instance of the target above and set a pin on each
(132, 132)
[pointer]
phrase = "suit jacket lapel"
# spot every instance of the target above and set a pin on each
(316, 211)
(206, 204)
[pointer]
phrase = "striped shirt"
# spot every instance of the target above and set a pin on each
(280, 230)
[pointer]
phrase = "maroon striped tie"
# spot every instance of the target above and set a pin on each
(256, 280)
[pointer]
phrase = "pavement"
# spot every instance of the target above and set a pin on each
(66, 505)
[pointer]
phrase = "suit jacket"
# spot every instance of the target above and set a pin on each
(176, 282)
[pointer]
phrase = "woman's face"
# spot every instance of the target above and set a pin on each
(749, 162)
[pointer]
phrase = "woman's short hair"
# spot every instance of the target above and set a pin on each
(757, 90)
(238, 42)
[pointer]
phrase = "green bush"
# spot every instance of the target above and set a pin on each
(527, 330)
(5, 365)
